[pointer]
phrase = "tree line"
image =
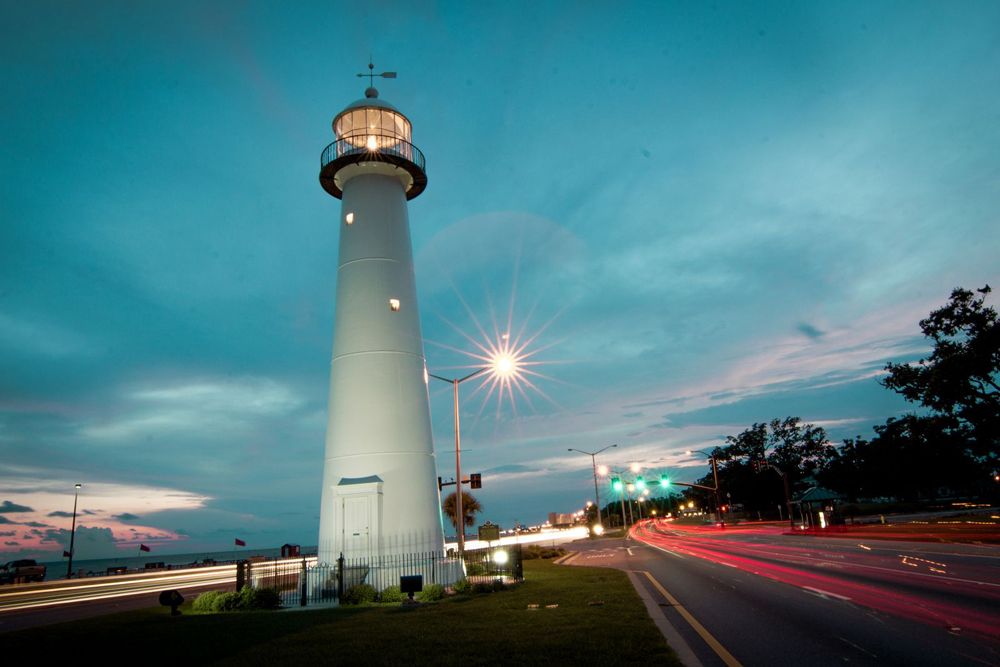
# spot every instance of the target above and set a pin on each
(947, 444)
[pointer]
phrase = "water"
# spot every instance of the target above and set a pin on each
(99, 566)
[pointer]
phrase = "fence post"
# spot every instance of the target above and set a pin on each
(340, 577)
(519, 566)
(302, 598)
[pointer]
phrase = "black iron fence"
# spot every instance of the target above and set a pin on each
(302, 582)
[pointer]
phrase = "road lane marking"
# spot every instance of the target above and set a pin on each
(666, 551)
(712, 642)
(826, 594)
(853, 645)
(629, 550)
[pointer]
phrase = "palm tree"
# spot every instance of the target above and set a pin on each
(470, 507)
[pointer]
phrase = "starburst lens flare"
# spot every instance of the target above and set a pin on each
(504, 357)
(504, 365)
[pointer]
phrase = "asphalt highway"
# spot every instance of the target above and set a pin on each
(27, 605)
(760, 597)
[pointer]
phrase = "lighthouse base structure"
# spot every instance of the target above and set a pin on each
(380, 496)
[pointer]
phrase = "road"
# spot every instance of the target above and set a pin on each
(27, 605)
(759, 597)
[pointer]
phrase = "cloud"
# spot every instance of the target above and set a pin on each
(4, 519)
(513, 467)
(809, 330)
(90, 542)
(36, 524)
(126, 516)
(60, 513)
(197, 407)
(8, 533)
(8, 507)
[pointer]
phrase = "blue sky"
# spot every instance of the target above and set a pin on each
(704, 215)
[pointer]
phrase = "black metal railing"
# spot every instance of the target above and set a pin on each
(302, 582)
(378, 146)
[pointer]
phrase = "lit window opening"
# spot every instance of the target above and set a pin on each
(394, 305)
(349, 218)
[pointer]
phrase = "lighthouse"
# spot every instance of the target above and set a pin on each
(380, 495)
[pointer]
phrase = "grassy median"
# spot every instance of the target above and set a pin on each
(599, 617)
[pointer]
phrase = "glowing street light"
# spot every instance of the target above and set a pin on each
(72, 533)
(503, 367)
(593, 463)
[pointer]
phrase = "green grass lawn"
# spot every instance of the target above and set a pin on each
(482, 629)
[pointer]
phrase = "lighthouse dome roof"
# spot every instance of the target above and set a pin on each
(370, 100)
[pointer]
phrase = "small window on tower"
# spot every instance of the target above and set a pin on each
(349, 218)
(394, 305)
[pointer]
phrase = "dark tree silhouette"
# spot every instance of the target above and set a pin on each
(470, 508)
(961, 377)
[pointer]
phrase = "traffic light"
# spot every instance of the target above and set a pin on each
(664, 481)
(640, 483)
(616, 484)
(475, 481)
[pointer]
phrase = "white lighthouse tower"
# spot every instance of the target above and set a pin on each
(380, 494)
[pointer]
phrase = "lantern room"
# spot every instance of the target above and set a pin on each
(372, 136)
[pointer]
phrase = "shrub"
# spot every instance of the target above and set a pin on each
(482, 587)
(462, 586)
(431, 593)
(359, 594)
(258, 598)
(391, 594)
(533, 551)
(206, 602)
(498, 585)
(246, 599)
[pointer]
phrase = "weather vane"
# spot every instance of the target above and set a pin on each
(371, 74)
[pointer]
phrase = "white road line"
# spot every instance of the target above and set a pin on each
(826, 594)
(853, 645)
(666, 551)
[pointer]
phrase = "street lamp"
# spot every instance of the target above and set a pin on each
(593, 463)
(72, 533)
(715, 476)
(503, 365)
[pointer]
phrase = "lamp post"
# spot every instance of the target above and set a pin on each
(715, 476)
(502, 365)
(459, 513)
(72, 533)
(593, 463)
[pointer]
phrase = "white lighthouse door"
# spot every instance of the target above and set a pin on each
(357, 526)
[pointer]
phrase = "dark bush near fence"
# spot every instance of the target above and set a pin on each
(533, 551)
(360, 594)
(248, 599)
(391, 594)
(431, 593)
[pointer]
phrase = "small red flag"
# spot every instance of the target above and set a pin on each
(143, 547)
(240, 543)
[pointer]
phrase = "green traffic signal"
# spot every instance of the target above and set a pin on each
(664, 481)
(640, 483)
(616, 484)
